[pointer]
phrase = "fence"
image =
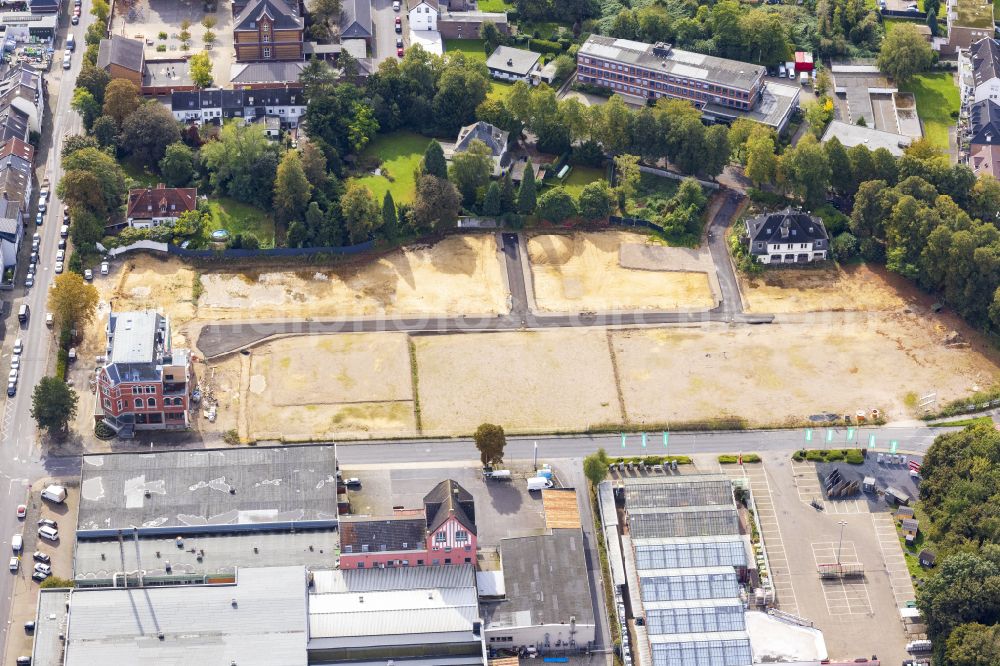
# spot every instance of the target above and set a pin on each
(153, 246)
(616, 221)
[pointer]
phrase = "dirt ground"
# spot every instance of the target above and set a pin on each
(583, 272)
(534, 381)
(459, 275)
(787, 372)
(829, 288)
(353, 385)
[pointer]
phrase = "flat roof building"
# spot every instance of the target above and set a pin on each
(258, 620)
(854, 135)
(375, 616)
(548, 604)
(208, 491)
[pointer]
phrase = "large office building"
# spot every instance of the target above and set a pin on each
(723, 89)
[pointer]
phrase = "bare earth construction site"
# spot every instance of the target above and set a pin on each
(858, 342)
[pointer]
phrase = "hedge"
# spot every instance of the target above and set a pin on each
(653, 460)
(545, 46)
(850, 456)
(730, 459)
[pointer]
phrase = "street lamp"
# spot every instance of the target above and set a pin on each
(840, 543)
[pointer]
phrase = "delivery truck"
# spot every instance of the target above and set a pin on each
(538, 483)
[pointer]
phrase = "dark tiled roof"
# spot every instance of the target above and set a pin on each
(787, 226)
(446, 498)
(120, 51)
(277, 71)
(13, 124)
(985, 60)
(176, 200)
(494, 137)
(283, 16)
(984, 120)
(356, 19)
(382, 534)
(185, 100)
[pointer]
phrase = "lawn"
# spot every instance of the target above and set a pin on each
(501, 89)
(494, 6)
(240, 218)
(937, 98)
(474, 49)
(139, 173)
(400, 154)
(577, 178)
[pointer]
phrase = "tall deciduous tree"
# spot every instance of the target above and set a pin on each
(201, 69)
(148, 131)
(86, 105)
(291, 189)
(470, 170)
(177, 165)
(72, 302)
(490, 442)
(94, 80)
(436, 205)
(314, 165)
(243, 163)
(807, 171)
(53, 404)
(904, 53)
(105, 131)
(597, 201)
(94, 180)
(361, 213)
(121, 98)
(595, 467)
(762, 163)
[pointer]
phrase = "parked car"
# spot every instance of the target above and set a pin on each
(399, 42)
(39, 556)
(38, 219)
(43, 193)
(399, 52)
(49, 522)
(23, 660)
(17, 543)
(44, 568)
(15, 563)
(353, 481)
(88, 275)
(75, 20)
(59, 267)
(395, 5)
(42, 206)
(49, 319)
(105, 268)
(18, 346)
(39, 576)
(12, 376)
(22, 510)
(29, 280)
(49, 533)
(11, 389)
(399, 26)
(15, 362)
(61, 244)
(29, 626)
(67, 61)
(60, 255)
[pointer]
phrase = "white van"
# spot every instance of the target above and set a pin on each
(781, 71)
(70, 42)
(55, 494)
(538, 483)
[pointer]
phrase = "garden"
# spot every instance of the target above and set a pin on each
(937, 104)
(397, 157)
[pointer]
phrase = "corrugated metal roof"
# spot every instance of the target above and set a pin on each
(375, 580)
(261, 620)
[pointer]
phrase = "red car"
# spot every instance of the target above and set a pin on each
(21, 510)
(399, 52)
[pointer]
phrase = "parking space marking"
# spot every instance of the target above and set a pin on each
(892, 555)
(770, 533)
(843, 596)
(844, 507)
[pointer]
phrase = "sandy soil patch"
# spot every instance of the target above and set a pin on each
(459, 275)
(582, 272)
(832, 287)
(538, 381)
(786, 372)
(315, 386)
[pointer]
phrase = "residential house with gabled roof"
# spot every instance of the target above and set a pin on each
(494, 138)
(984, 137)
(787, 237)
(11, 232)
(267, 30)
(442, 533)
(21, 88)
(145, 383)
(122, 58)
(423, 14)
(152, 206)
(356, 20)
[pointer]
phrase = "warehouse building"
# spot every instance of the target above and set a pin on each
(376, 616)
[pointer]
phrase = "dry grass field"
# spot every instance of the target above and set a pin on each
(856, 287)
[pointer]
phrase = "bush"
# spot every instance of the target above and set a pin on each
(162, 35)
(732, 459)
(844, 247)
(855, 457)
(852, 456)
(55, 582)
(766, 198)
(231, 437)
(161, 48)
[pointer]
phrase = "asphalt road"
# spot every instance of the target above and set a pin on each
(218, 339)
(384, 25)
(22, 459)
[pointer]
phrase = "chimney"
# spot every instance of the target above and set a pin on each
(510, 62)
(161, 186)
(784, 229)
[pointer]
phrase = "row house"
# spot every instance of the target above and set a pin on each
(217, 106)
(442, 533)
(145, 383)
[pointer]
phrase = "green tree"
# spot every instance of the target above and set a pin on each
(461, 87)
(508, 195)
(527, 197)
(556, 205)
(904, 53)
(314, 165)
(716, 150)
(595, 467)
(200, 68)
(818, 114)
(470, 170)
(844, 246)
(490, 442)
(762, 163)
(823, 82)
(291, 188)
(390, 220)
(87, 228)
(436, 205)
(86, 105)
(806, 170)
(932, 22)
(297, 235)
(242, 163)
(597, 201)
(974, 644)
(361, 213)
(325, 14)
(765, 36)
(105, 131)
(121, 98)
(862, 166)
(75, 142)
(627, 177)
(491, 36)
(94, 180)
(841, 177)
(94, 80)
(53, 404)
(434, 163)
(985, 199)
(190, 223)
(148, 131)
(564, 67)
(177, 165)
(491, 202)
(72, 302)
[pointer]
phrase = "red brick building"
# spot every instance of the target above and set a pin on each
(145, 384)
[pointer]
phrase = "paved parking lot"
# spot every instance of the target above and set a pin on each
(892, 553)
(858, 618)
(503, 508)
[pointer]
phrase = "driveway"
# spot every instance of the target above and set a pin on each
(384, 25)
